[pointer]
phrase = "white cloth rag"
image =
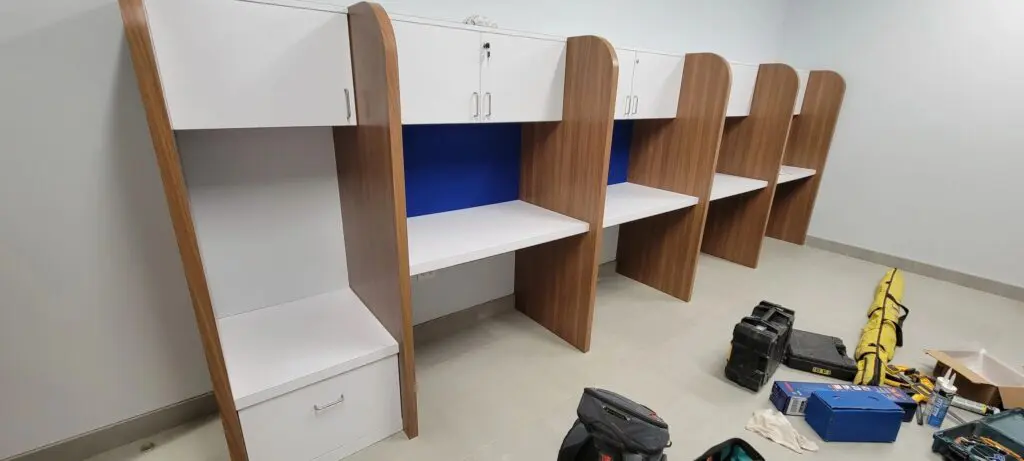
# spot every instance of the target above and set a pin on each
(773, 425)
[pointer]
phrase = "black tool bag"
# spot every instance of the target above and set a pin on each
(759, 344)
(621, 429)
(820, 354)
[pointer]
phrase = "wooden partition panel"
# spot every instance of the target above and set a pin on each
(136, 27)
(752, 147)
(678, 155)
(810, 138)
(371, 179)
(565, 169)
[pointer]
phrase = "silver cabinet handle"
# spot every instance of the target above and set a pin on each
(628, 105)
(487, 99)
(329, 405)
(348, 105)
(636, 103)
(476, 105)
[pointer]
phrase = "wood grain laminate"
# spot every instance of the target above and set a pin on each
(678, 155)
(136, 26)
(565, 169)
(810, 138)
(371, 179)
(752, 147)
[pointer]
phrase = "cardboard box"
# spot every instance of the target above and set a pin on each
(854, 416)
(982, 377)
(791, 397)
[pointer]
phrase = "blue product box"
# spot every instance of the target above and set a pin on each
(853, 416)
(790, 397)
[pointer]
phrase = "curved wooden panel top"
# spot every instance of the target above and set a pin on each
(811, 134)
(371, 179)
(565, 169)
(752, 146)
(564, 161)
(140, 44)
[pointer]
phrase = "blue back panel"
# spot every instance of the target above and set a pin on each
(451, 167)
(622, 138)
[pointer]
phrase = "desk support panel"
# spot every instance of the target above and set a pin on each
(752, 147)
(678, 155)
(810, 138)
(565, 169)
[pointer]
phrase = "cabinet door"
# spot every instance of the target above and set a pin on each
(220, 68)
(656, 82)
(744, 77)
(624, 96)
(439, 73)
(804, 75)
(523, 79)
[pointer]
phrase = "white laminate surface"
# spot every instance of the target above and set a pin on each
(278, 349)
(626, 202)
(727, 185)
(792, 173)
(233, 64)
(447, 239)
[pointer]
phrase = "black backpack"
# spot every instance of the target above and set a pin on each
(613, 428)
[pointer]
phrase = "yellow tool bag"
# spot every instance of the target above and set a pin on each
(883, 332)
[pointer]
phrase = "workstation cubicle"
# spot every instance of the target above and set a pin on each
(662, 163)
(406, 146)
(803, 165)
(760, 110)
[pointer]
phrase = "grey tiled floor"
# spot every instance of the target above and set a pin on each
(506, 389)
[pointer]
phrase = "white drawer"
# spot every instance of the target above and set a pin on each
(288, 428)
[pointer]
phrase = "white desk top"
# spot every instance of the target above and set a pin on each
(278, 349)
(455, 237)
(726, 185)
(626, 202)
(792, 173)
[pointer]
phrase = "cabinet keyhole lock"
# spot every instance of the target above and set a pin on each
(487, 48)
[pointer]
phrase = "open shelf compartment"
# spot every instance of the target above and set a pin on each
(451, 238)
(727, 185)
(793, 173)
(625, 202)
(279, 349)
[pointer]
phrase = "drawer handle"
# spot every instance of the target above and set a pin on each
(329, 405)
(348, 105)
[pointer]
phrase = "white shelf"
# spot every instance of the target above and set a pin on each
(627, 202)
(276, 350)
(792, 173)
(455, 237)
(727, 185)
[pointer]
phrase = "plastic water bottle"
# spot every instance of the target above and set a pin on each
(942, 396)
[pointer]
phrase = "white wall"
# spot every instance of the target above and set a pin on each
(95, 320)
(927, 157)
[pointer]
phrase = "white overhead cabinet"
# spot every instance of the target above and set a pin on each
(744, 78)
(624, 95)
(649, 85)
(455, 74)
(522, 79)
(438, 73)
(232, 64)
